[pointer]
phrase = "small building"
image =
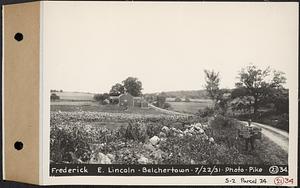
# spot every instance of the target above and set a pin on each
(126, 100)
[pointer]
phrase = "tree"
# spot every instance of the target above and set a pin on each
(117, 90)
(187, 99)
(101, 97)
(133, 86)
(278, 80)
(280, 99)
(160, 101)
(177, 99)
(253, 82)
(212, 84)
(54, 97)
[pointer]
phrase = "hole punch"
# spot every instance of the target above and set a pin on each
(18, 145)
(19, 37)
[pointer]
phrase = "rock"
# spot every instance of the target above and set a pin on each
(189, 134)
(161, 134)
(149, 146)
(192, 161)
(197, 126)
(180, 135)
(100, 158)
(179, 131)
(111, 156)
(186, 126)
(186, 131)
(103, 159)
(211, 139)
(205, 126)
(162, 140)
(165, 129)
(143, 160)
(154, 140)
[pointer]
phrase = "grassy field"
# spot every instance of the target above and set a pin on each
(190, 107)
(73, 103)
(75, 96)
(96, 107)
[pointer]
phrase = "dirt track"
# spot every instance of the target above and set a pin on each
(167, 111)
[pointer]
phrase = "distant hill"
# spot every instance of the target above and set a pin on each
(74, 96)
(193, 94)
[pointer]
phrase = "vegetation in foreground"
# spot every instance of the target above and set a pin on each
(76, 137)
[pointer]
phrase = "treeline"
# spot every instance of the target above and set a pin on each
(192, 94)
(131, 85)
(259, 94)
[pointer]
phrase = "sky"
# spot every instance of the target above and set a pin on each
(89, 46)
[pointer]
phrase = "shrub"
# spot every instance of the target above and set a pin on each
(54, 97)
(114, 100)
(153, 129)
(187, 100)
(63, 142)
(97, 97)
(177, 99)
(183, 150)
(101, 97)
(136, 130)
(207, 111)
(224, 130)
(166, 105)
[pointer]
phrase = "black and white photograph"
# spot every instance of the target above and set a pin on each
(150, 93)
(171, 84)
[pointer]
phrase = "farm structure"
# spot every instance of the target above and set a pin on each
(129, 101)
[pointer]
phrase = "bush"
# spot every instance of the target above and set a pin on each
(54, 97)
(97, 97)
(67, 142)
(114, 100)
(187, 100)
(224, 130)
(136, 130)
(207, 111)
(166, 105)
(277, 121)
(153, 129)
(101, 97)
(177, 99)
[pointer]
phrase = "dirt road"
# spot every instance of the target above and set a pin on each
(279, 137)
(167, 111)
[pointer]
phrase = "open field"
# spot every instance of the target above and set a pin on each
(190, 107)
(70, 106)
(73, 103)
(75, 96)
